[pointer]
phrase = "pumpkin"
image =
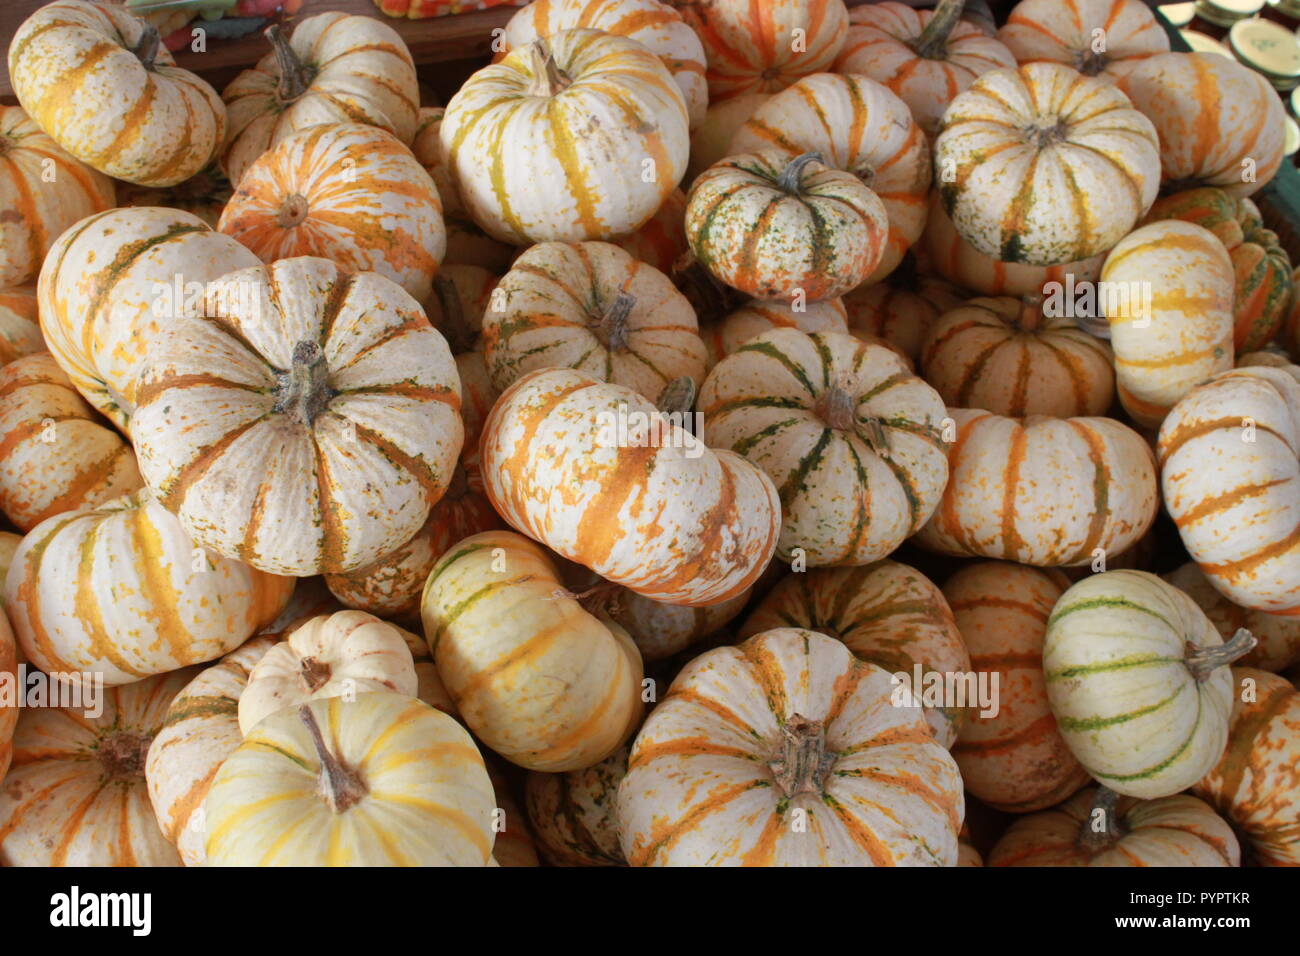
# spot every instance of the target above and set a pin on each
(1042, 491)
(112, 281)
(784, 229)
(76, 794)
(1137, 679)
(573, 814)
(199, 731)
(99, 82)
(384, 780)
(8, 547)
(872, 135)
(55, 455)
(782, 752)
(1273, 358)
(591, 306)
(1289, 334)
(1220, 124)
(204, 194)
(347, 192)
(20, 328)
(43, 191)
(1170, 831)
(9, 661)
(967, 855)
(1044, 165)
(308, 426)
(336, 68)
(661, 241)
(341, 655)
(763, 49)
(1007, 357)
(553, 688)
(944, 251)
(756, 317)
(310, 599)
(1278, 635)
(711, 139)
(598, 474)
(901, 309)
(1229, 468)
(887, 614)
(656, 26)
(849, 436)
(1254, 784)
(926, 57)
(1013, 760)
(1102, 38)
(121, 591)
(546, 95)
(515, 844)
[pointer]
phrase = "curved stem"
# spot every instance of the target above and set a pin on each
(293, 211)
(932, 44)
(295, 76)
(548, 79)
(342, 786)
(1203, 661)
(303, 391)
(792, 175)
(802, 763)
(598, 598)
(612, 329)
(146, 48)
(1095, 841)
(314, 673)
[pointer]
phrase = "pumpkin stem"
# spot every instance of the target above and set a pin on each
(123, 753)
(612, 328)
(292, 211)
(303, 391)
(678, 396)
(792, 175)
(454, 327)
(1031, 313)
(1043, 136)
(314, 673)
(342, 786)
(802, 763)
(1094, 840)
(932, 44)
(295, 75)
(146, 48)
(548, 79)
(1203, 661)
(598, 598)
(837, 407)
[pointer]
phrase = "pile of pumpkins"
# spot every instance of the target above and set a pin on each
(526, 479)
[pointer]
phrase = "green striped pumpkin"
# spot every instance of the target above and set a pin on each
(1137, 679)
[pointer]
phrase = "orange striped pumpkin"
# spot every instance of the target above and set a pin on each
(1171, 327)
(1273, 358)
(573, 814)
(555, 688)
(874, 137)
(765, 48)
(661, 241)
(336, 68)
(321, 444)
(515, 844)
(526, 120)
(1256, 783)
(1220, 124)
(926, 57)
(1043, 491)
(1102, 38)
(1229, 471)
(1171, 831)
(1014, 760)
(101, 84)
(1007, 357)
(710, 141)
(113, 281)
(9, 661)
(901, 309)
(1044, 165)
(204, 194)
(756, 317)
(8, 547)
(76, 793)
(886, 613)
(849, 436)
(555, 468)
(1278, 635)
(20, 327)
(122, 591)
(346, 192)
(781, 752)
(55, 454)
(43, 191)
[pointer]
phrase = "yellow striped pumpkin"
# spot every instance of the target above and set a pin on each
(55, 453)
(1229, 469)
(1220, 124)
(200, 730)
(101, 84)
(1044, 165)
(1256, 783)
(20, 327)
(336, 68)
(308, 425)
(591, 306)
(1014, 760)
(850, 437)
(1171, 314)
(872, 136)
(886, 613)
(1048, 492)
(204, 194)
(1008, 357)
(781, 752)
(112, 281)
(651, 509)
(346, 192)
(1102, 38)
(1170, 831)
(43, 191)
(1278, 634)
(122, 591)
(527, 121)
(573, 814)
(1138, 681)
(710, 141)
(901, 309)
(76, 794)
(756, 317)
(385, 780)
(539, 680)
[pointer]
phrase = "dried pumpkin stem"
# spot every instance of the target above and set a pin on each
(837, 408)
(123, 753)
(612, 329)
(599, 598)
(293, 211)
(792, 175)
(146, 48)
(314, 673)
(1031, 313)
(548, 79)
(1105, 800)
(303, 391)
(802, 764)
(678, 396)
(454, 327)
(1203, 661)
(295, 75)
(343, 786)
(932, 44)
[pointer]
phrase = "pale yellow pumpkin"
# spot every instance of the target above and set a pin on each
(20, 328)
